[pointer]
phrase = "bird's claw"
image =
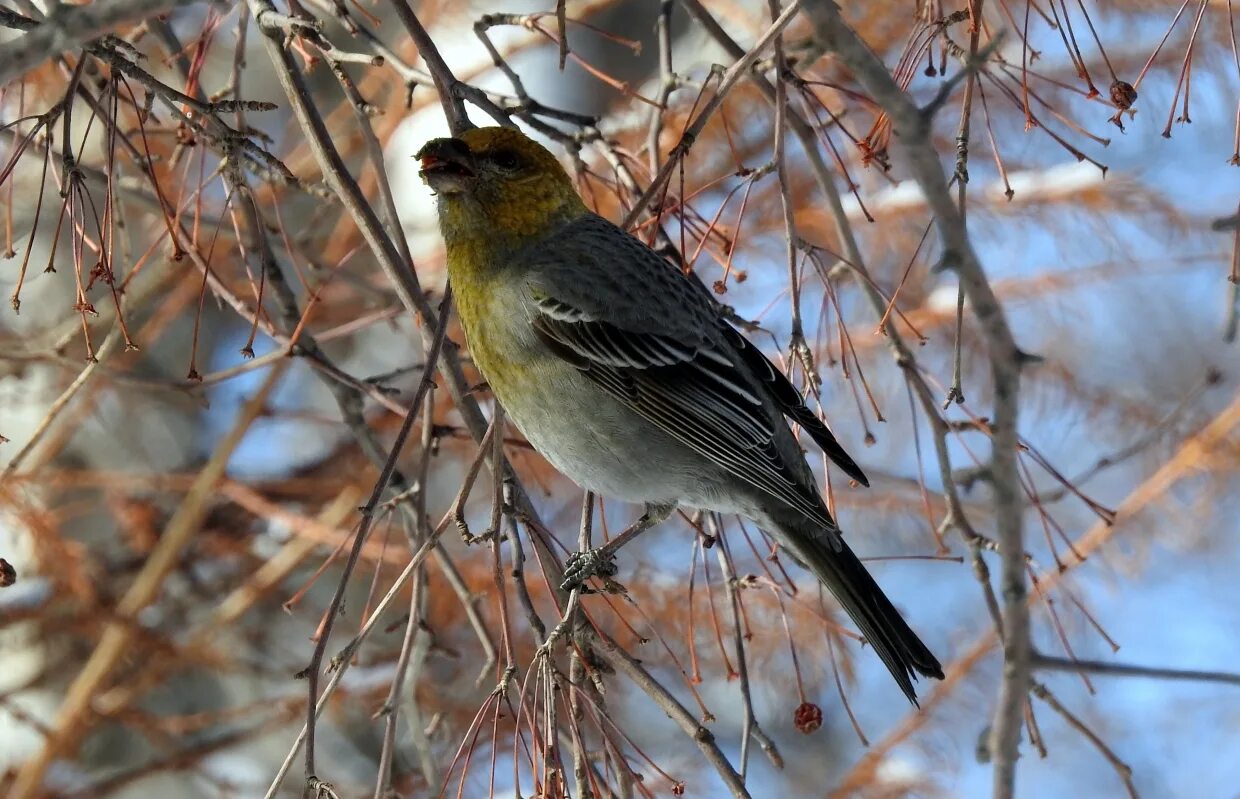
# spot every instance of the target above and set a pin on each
(581, 566)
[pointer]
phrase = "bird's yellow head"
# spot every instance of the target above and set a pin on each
(496, 184)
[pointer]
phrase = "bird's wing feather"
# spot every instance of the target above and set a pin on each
(694, 393)
(792, 404)
(657, 346)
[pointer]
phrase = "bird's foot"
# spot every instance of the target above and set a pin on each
(601, 562)
(581, 566)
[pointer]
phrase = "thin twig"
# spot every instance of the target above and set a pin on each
(729, 80)
(1053, 663)
(1121, 768)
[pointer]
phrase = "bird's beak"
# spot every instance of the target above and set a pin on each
(447, 165)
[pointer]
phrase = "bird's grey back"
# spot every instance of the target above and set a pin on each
(591, 257)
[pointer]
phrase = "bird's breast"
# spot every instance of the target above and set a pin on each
(501, 342)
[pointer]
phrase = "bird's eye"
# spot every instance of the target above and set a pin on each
(506, 159)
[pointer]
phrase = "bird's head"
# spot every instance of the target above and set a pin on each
(497, 182)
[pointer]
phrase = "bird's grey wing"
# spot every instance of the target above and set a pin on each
(646, 294)
(656, 348)
(694, 392)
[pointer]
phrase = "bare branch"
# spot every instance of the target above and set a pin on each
(912, 129)
(445, 82)
(70, 27)
(1052, 663)
(729, 79)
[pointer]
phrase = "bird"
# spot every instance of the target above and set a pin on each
(620, 369)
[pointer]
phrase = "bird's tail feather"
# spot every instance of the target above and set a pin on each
(835, 565)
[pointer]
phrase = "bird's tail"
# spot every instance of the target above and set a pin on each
(842, 572)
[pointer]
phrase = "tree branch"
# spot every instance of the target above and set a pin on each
(912, 129)
(730, 78)
(445, 82)
(69, 28)
(1052, 663)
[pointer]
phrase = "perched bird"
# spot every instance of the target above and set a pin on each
(619, 369)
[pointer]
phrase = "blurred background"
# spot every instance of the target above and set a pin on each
(213, 232)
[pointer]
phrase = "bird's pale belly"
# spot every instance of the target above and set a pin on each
(604, 446)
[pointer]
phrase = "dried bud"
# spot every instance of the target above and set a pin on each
(1123, 95)
(808, 718)
(678, 789)
(139, 521)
